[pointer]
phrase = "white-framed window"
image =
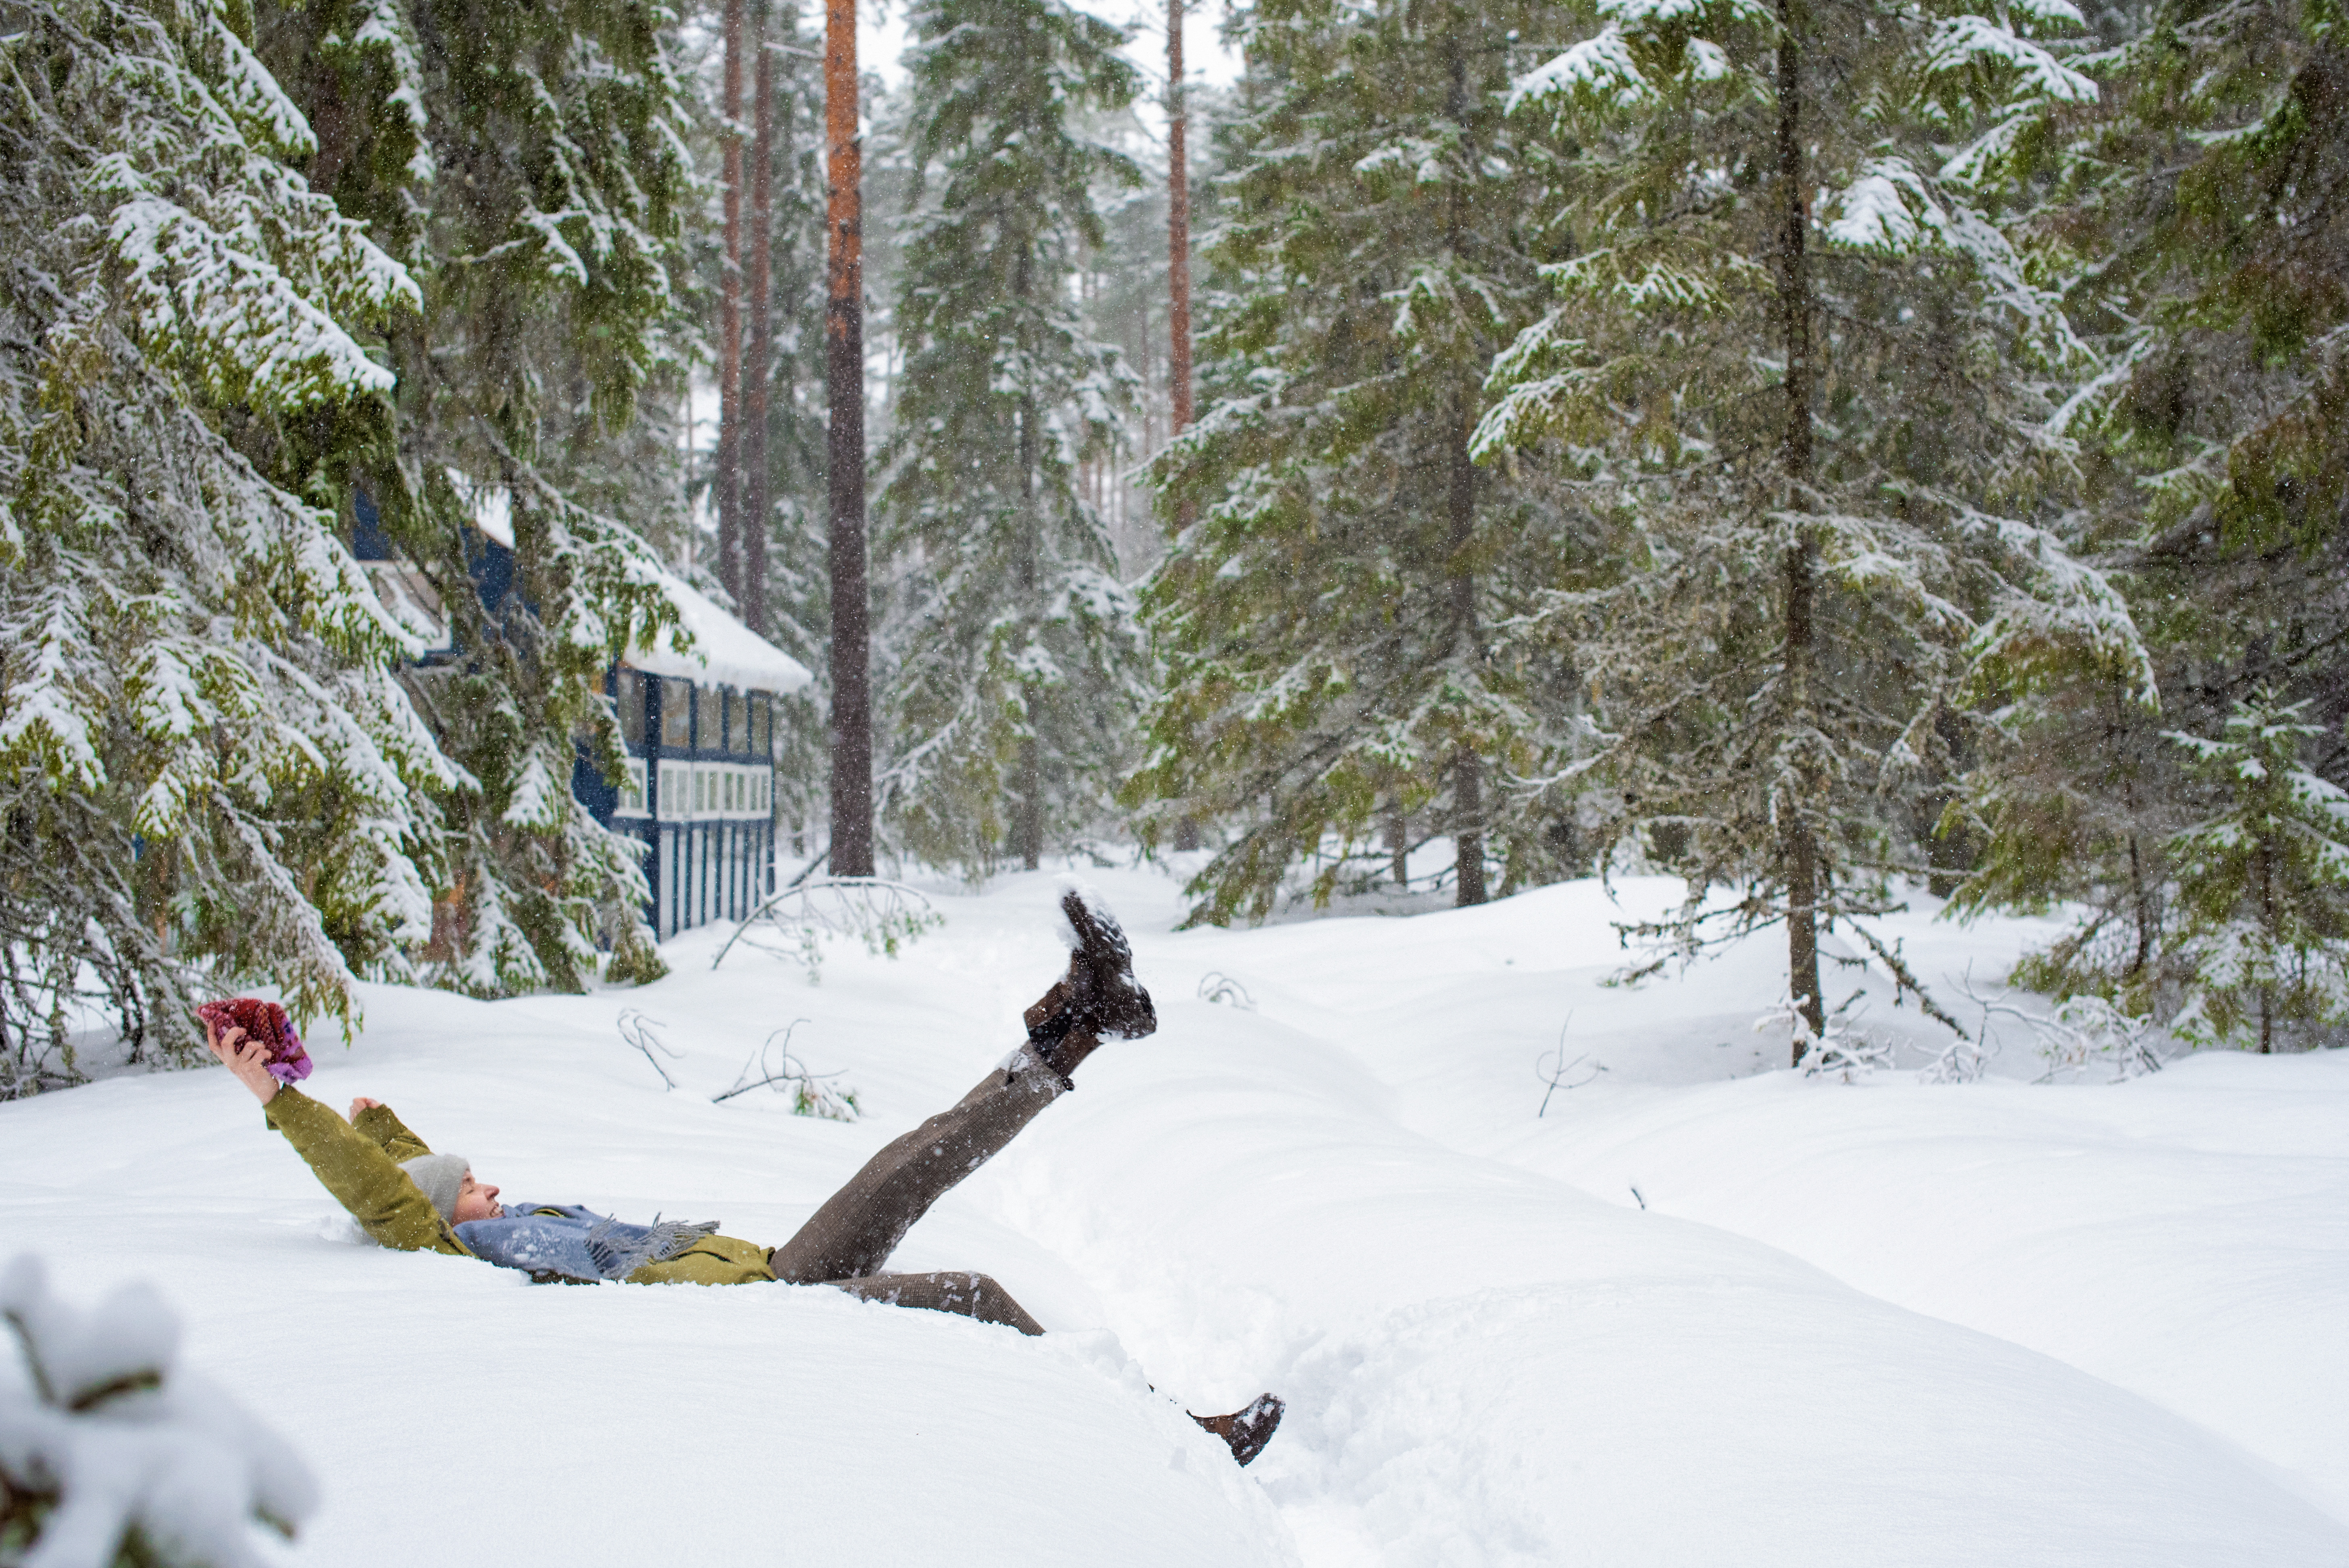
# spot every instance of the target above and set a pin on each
(632, 789)
(705, 790)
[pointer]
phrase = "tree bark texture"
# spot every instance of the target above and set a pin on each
(1798, 853)
(760, 364)
(1028, 806)
(1178, 291)
(1467, 767)
(1027, 803)
(1178, 228)
(726, 482)
(851, 677)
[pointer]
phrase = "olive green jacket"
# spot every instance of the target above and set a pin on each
(359, 1164)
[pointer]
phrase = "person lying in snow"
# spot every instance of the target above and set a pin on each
(410, 1198)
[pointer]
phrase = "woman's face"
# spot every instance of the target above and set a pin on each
(476, 1201)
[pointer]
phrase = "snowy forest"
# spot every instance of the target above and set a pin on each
(1814, 450)
(1653, 693)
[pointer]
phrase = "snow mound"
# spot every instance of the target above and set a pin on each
(1697, 1310)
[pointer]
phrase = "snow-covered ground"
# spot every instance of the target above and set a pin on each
(1696, 1312)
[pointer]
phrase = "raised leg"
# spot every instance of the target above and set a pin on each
(852, 1236)
(847, 1241)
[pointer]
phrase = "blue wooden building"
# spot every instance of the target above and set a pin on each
(700, 728)
(700, 784)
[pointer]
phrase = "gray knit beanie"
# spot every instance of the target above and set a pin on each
(441, 1176)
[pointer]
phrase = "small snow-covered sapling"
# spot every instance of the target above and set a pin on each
(111, 1456)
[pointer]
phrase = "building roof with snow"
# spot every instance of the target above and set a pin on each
(725, 652)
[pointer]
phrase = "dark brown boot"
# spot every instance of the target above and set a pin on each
(1247, 1430)
(1097, 999)
(1104, 995)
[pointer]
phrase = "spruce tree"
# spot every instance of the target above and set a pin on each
(525, 162)
(1813, 433)
(1019, 667)
(208, 777)
(794, 539)
(2197, 219)
(1328, 622)
(2263, 883)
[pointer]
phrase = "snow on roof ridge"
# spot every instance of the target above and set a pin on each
(725, 652)
(490, 506)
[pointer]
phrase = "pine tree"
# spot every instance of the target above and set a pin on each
(1019, 668)
(2199, 223)
(525, 162)
(2264, 885)
(1328, 621)
(794, 542)
(1814, 432)
(848, 555)
(207, 775)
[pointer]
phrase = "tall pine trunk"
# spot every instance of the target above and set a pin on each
(726, 483)
(1460, 502)
(1798, 853)
(1028, 810)
(1178, 228)
(2263, 883)
(1467, 767)
(1178, 285)
(754, 519)
(843, 346)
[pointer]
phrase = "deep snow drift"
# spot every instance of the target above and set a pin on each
(1864, 1324)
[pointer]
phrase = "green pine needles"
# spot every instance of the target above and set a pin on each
(2264, 924)
(1019, 665)
(1813, 436)
(530, 162)
(1330, 612)
(205, 761)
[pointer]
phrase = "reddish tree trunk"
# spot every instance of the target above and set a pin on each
(754, 523)
(1178, 285)
(726, 483)
(851, 694)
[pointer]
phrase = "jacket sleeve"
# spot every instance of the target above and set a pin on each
(388, 1133)
(362, 1176)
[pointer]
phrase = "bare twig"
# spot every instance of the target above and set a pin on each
(1905, 979)
(2081, 1030)
(1554, 1075)
(812, 1093)
(744, 1084)
(1215, 986)
(808, 869)
(884, 915)
(640, 1032)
